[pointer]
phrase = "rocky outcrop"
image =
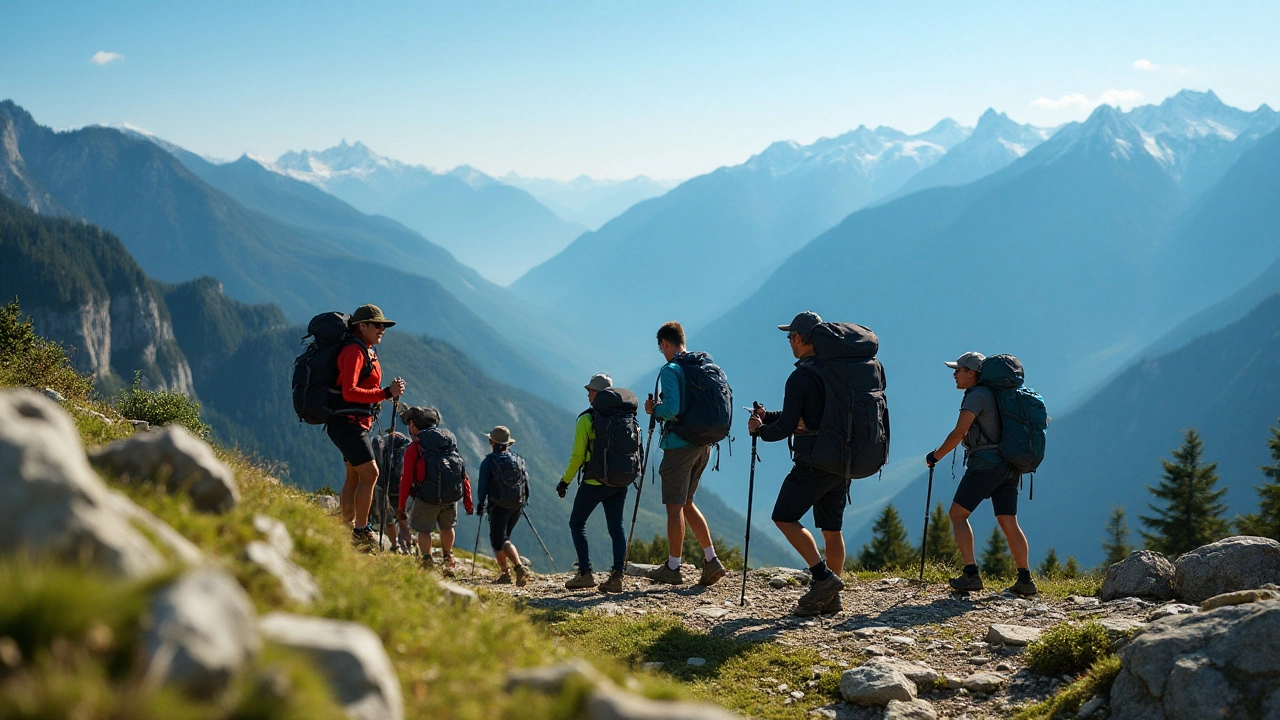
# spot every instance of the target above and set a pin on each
(185, 464)
(1144, 574)
(1235, 563)
(875, 684)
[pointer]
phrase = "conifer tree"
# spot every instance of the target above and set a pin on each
(942, 542)
(889, 546)
(1071, 569)
(1050, 567)
(996, 559)
(1192, 512)
(1266, 522)
(1116, 544)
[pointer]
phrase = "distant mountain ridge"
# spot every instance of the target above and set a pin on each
(589, 201)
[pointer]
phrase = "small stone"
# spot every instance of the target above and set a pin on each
(1004, 667)
(639, 569)
(711, 612)
(184, 463)
(1239, 597)
(608, 609)
(983, 682)
(297, 583)
(1171, 609)
(797, 694)
(1014, 635)
(552, 679)
(1092, 706)
(914, 710)
(782, 687)
(328, 503)
(900, 640)
(979, 660)
(651, 666)
(458, 594)
(696, 661)
(872, 631)
(977, 647)
(920, 674)
(874, 650)
(1082, 600)
(875, 684)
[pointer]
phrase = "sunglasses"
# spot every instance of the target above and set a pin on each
(379, 325)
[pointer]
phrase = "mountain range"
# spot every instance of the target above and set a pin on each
(589, 201)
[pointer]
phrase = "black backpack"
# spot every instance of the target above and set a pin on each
(853, 439)
(316, 396)
(706, 401)
(508, 480)
(388, 450)
(616, 453)
(442, 469)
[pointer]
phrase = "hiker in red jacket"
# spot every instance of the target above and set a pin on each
(359, 379)
(435, 477)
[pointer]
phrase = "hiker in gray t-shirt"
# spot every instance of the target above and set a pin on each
(987, 475)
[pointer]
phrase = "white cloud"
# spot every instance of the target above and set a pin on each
(1074, 100)
(102, 57)
(1145, 65)
(1080, 101)
(1119, 97)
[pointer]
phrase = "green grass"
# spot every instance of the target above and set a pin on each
(1068, 701)
(1068, 648)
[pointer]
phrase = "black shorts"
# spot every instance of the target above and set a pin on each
(805, 488)
(351, 440)
(502, 522)
(999, 483)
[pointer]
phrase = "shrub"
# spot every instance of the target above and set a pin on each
(160, 407)
(29, 360)
(1068, 648)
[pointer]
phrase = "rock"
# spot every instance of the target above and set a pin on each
(140, 426)
(839, 711)
(983, 682)
(710, 611)
(1219, 663)
(1239, 597)
(1081, 600)
(1015, 635)
(199, 634)
(872, 631)
(328, 503)
(901, 640)
(350, 656)
(913, 710)
(875, 684)
(1092, 706)
(275, 533)
(54, 395)
(1121, 630)
(874, 650)
(174, 456)
(1171, 609)
(52, 503)
(610, 703)
(456, 593)
(171, 541)
(639, 569)
(651, 666)
(1235, 563)
(695, 661)
(922, 675)
(777, 582)
(297, 584)
(552, 679)
(1145, 573)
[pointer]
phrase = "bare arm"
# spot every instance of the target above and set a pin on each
(963, 423)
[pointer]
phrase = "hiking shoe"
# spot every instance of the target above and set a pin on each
(503, 579)
(613, 584)
(583, 580)
(712, 571)
(833, 606)
(1023, 589)
(967, 582)
(821, 592)
(448, 566)
(427, 562)
(363, 539)
(664, 574)
(522, 576)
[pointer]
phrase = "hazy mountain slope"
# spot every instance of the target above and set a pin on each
(994, 143)
(587, 200)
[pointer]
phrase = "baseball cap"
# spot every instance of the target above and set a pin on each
(804, 323)
(972, 360)
(599, 381)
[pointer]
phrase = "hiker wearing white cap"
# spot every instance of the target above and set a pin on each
(502, 486)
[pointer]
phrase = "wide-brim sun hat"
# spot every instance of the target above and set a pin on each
(499, 435)
(370, 313)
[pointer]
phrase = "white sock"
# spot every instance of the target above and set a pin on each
(673, 562)
(709, 553)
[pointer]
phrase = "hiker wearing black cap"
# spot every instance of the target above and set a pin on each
(502, 486)
(359, 377)
(435, 477)
(592, 492)
(987, 475)
(807, 487)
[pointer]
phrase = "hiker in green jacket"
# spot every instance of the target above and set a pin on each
(591, 492)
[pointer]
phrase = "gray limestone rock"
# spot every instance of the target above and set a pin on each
(920, 674)
(610, 703)
(328, 503)
(459, 594)
(1239, 597)
(983, 682)
(1236, 563)
(183, 462)
(1170, 609)
(552, 679)
(875, 684)
(1145, 573)
(296, 583)
(1015, 635)
(912, 710)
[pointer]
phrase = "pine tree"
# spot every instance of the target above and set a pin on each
(1071, 569)
(996, 559)
(889, 546)
(942, 542)
(1266, 522)
(1192, 513)
(1050, 567)
(1116, 545)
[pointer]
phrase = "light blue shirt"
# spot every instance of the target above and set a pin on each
(671, 382)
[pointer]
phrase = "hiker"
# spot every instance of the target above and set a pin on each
(807, 487)
(987, 475)
(684, 458)
(359, 377)
(592, 491)
(503, 487)
(435, 476)
(388, 452)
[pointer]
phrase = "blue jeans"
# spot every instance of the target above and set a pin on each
(584, 503)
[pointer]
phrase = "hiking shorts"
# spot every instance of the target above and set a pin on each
(804, 488)
(350, 439)
(502, 522)
(681, 469)
(999, 483)
(424, 517)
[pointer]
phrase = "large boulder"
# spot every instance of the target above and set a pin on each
(52, 503)
(875, 684)
(1145, 574)
(1236, 563)
(183, 462)
(200, 634)
(351, 657)
(1220, 664)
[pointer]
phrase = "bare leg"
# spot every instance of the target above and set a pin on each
(446, 541)
(1017, 540)
(697, 525)
(363, 495)
(834, 541)
(347, 500)
(675, 529)
(509, 551)
(962, 531)
(801, 540)
(424, 544)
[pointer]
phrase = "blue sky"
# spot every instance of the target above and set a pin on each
(610, 89)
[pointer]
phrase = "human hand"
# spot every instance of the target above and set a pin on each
(930, 459)
(649, 405)
(562, 488)
(397, 387)
(754, 423)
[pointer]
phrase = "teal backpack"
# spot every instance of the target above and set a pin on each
(1024, 420)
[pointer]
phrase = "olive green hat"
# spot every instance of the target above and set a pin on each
(370, 313)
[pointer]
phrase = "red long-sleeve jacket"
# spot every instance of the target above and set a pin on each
(410, 474)
(355, 390)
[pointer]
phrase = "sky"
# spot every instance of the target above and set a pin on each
(608, 89)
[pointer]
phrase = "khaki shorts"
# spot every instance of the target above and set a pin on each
(424, 517)
(681, 469)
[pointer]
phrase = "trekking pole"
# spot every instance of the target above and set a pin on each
(389, 452)
(476, 551)
(535, 534)
(924, 541)
(644, 463)
(751, 491)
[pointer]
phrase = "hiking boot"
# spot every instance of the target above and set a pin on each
(583, 580)
(522, 576)
(503, 579)
(821, 592)
(363, 539)
(712, 571)
(967, 582)
(613, 584)
(427, 562)
(1023, 588)
(448, 566)
(664, 574)
(833, 606)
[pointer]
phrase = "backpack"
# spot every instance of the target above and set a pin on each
(1024, 420)
(388, 451)
(852, 440)
(508, 480)
(443, 469)
(616, 453)
(706, 402)
(316, 397)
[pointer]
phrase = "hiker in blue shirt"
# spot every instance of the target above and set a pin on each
(503, 487)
